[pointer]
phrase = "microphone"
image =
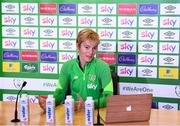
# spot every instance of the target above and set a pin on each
(98, 115)
(16, 112)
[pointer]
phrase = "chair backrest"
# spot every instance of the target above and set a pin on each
(115, 82)
(115, 87)
(154, 105)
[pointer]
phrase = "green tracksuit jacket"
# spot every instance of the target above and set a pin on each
(95, 76)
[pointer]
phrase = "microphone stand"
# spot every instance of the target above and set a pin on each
(98, 115)
(16, 112)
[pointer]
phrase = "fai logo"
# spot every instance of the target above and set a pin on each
(18, 83)
(92, 77)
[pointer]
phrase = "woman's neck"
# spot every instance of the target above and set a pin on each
(81, 64)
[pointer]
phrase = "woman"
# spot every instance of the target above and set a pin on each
(86, 75)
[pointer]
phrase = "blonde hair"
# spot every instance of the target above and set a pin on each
(87, 34)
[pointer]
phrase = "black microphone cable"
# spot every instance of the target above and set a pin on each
(98, 115)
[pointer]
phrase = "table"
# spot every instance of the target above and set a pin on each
(38, 117)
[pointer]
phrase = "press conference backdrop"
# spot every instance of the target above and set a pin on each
(139, 39)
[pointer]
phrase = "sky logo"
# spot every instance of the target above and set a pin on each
(126, 71)
(169, 22)
(148, 35)
(106, 34)
(67, 57)
(168, 47)
(86, 21)
(29, 32)
(106, 9)
(126, 46)
(67, 33)
(10, 43)
(48, 68)
(126, 21)
(10, 20)
(146, 59)
(28, 8)
(47, 44)
(48, 21)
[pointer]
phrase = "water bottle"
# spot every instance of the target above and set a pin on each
(24, 108)
(50, 109)
(69, 109)
(89, 111)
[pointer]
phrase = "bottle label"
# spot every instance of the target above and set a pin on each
(69, 112)
(89, 114)
(24, 111)
(50, 113)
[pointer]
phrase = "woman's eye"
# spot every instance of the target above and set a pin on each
(86, 47)
(95, 48)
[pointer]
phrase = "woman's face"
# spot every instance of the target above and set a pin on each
(87, 50)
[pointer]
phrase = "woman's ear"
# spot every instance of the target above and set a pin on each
(77, 46)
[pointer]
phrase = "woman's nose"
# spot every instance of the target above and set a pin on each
(91, 51)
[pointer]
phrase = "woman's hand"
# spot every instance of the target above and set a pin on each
(42, 101)
(79, 105)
